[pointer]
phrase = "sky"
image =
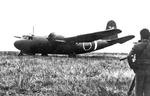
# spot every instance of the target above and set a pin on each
(71, 18)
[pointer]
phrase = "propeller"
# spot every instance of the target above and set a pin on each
(32, 34)
(17, 36)
(24, 36)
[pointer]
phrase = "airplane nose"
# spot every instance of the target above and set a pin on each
(17, 44)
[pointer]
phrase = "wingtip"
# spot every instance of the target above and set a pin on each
(119, 30)
(129, 37)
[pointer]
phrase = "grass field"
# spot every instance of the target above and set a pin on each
(94, 74)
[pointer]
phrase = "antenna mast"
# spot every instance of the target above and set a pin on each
(33, 31)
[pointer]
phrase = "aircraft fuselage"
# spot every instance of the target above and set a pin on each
(43, 46)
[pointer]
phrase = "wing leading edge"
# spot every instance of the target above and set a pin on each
(122, 40)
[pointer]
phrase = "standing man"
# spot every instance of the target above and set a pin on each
(141, 65)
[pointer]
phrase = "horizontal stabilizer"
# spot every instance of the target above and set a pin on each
(122, 40)
(92, 36)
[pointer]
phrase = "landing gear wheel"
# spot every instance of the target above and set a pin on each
(44, 54)
(20, 54)
(32, 53)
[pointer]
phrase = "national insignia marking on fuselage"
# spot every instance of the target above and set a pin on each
(87, 46)
(95, 42)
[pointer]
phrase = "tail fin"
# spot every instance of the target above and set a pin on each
(111, 25)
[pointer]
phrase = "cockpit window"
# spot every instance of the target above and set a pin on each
(27, 37)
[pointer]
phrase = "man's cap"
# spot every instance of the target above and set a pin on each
(145, 34)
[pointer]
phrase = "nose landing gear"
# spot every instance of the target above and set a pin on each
(20, 54)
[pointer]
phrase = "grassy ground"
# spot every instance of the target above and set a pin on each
(87, 75)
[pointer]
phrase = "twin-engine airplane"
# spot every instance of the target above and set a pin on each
(56, 44)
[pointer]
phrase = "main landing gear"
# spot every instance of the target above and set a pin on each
(20, 54)
(44, 54)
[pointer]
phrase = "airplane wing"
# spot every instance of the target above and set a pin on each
(121, 40)
(92, 36)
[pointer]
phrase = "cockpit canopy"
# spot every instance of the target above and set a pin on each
(53, 36)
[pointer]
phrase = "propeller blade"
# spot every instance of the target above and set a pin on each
(17, 36)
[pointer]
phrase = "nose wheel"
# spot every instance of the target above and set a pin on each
(20, 54)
